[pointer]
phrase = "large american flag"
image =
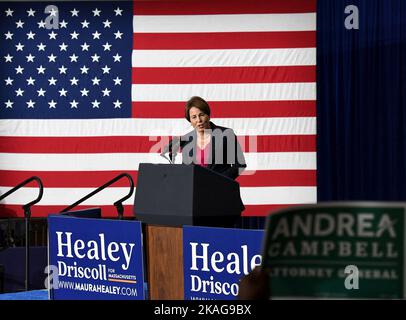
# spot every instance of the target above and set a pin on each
(102, 92)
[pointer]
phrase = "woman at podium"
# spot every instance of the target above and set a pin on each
(209, 145)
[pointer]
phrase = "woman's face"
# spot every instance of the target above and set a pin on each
(199, 120)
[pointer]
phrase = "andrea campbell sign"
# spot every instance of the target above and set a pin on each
(95, 259)
(340, 250)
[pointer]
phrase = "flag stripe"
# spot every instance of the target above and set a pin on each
(224, 23)
(94, 179)
(225, 92)
(131, 161)
(67, 196)
(110, 211)
(225, 109)
(281, 143)
(222, 7)
(222, 75)
(153, 127)
(224, 58)
(224, 40)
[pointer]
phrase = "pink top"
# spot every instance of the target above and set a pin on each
(202, 155)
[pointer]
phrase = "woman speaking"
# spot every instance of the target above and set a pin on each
(208, 145)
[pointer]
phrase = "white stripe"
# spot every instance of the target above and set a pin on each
(224, 23)
(279, 195)
(67, 196)
(151, 127)
(224, 58)
(130, 161)
(225, 92)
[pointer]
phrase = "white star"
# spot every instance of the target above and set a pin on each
(118, 34)
(19, 24)
(95, 57)
(41, 69)
(9, 104)
(74, 35)
(74, 81)
(96, 12)
(52, 35)
(117, 104)
(52, 81)
(73, 57)
(9, 35)
(42, 24)
(30, 81)
(84, 92)
(52, 58)
(107, 23)
(30, 104)
(30, 58)
(41, 47)
(85, 24)
(117, 81)
(19, 92)
(63, 46)
(106, 92)
(30, 35)
(9, 12)
(118, 11)
(84, 69)
(117, 58)
(19, 47)
(96, 35)
(8, 58)
(52, 104)
(53, 12)
(96, 81)
(31, 13)
(74, 12)
(19, 70)
(85, 47)
(63, 24)
(74, 104)
(9, 81)
(106, 69)
(63, 92)
(95, 104)
(41, 92)
(62, 70)
(107, 46)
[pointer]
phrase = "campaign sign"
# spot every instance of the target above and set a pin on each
(95, 259)
(215, 260)
(341, 250)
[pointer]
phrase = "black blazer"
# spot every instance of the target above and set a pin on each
(226, 155)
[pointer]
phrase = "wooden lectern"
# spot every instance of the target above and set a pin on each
(172, 195)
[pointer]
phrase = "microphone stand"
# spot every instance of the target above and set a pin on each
(27, 217)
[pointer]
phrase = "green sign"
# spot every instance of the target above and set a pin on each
(345, 250)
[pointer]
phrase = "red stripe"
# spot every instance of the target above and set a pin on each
(279, 143)
(94, 179)
(234, 109)
(264, 210)
(63, 179)
(222, 7)
(15, 211)
(224, 40)
(278, 178)
(37, 211)
(224, 75)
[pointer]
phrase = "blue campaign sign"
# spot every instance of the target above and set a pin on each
(215, 259)
(95, 259)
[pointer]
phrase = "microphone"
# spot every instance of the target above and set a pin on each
(172, 147)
